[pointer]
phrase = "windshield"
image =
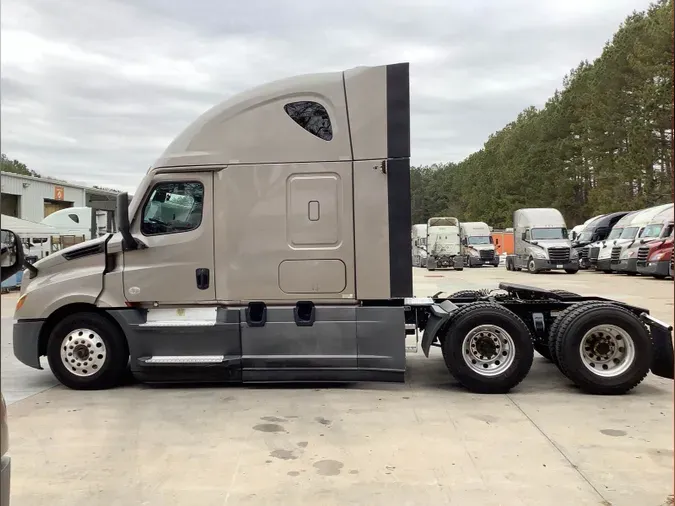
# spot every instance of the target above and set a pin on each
(615, 233)
(629, 232)
(539, 234)
(480, 239)
(652, 231)
(586, 236)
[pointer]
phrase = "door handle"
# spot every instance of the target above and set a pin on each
(202, 275)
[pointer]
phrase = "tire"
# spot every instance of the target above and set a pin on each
(505, 375)
(543, 350)
(571, 271)
(531, 267)
(93, 329)
(577, 325)
(659, 276)
(465, 294)
(508, 266)
(459, 268)
(555, 327)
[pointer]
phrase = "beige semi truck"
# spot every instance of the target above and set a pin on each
(270, 242)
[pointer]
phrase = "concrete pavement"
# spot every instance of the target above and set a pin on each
(426, 442)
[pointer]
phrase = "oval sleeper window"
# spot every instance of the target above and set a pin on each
(311, 116)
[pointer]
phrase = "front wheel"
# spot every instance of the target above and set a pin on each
(532, 266)
(86, 351)
(487, 348)
(571, 271)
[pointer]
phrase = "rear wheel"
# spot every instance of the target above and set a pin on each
(87, 352)
(465, 294)
(553, 333)
(603, 348)
(487, 348)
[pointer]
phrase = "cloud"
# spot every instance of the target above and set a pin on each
(94, 91)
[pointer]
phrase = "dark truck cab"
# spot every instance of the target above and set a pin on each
(596, 231)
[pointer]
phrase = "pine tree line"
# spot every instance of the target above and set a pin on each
(603, 143)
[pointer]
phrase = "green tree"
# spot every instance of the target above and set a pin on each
(15, 166)
(602, 143)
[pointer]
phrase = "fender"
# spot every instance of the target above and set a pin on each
(663, 363)
(439, 315)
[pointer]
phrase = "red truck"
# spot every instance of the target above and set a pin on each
(656, 259)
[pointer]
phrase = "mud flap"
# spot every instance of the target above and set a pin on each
(663, 361)
(439, 314)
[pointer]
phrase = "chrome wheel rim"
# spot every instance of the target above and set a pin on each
(83, 352)
(607, 350)
(488, 350)
(532, 266)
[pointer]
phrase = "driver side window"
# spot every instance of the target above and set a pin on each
(527, 235)
(173, 207)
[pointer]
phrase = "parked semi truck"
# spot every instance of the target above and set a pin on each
(624, 250)
(419, 245)
(541, 242)
(580, 237)
(444, 244)
(603, 258)
(477, 245)
(590, 240)
(657, 233)
(294, 264)
(656, 258)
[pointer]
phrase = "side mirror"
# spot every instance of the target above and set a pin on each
(129, 243)
(12, 254)
(534, 242)
(524, 236)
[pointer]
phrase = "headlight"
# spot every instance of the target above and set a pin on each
(473, 253)
(605, 253)
(538, 253)
(574, 254)
(627, 254)
(659, 255)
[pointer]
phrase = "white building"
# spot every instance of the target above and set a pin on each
(33, 198)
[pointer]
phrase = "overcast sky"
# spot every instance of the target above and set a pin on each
(94, 90)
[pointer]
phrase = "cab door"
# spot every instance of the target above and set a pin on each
(175, 224)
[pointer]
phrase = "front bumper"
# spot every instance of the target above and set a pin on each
(26, 339)
(625, 265)
(5, 475)
(545, 264)
(659, 268)
(604, 264)
(445, 262)
(483, 261)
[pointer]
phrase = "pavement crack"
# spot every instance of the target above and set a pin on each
(554, 445)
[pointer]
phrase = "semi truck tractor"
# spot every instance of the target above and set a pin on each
(580, 238)
(603, 256)
(624, 250)
(444, 244)
(419, 245)
(292, 263)
(477, 245)
(656, 258)
(541, 242)
(590, 240)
